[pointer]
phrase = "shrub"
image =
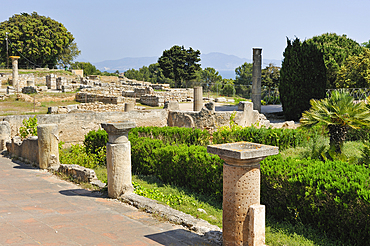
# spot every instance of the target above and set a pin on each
(29, 127)
(95, 141)
(332, 195)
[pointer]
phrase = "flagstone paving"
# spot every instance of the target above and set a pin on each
(38, 208)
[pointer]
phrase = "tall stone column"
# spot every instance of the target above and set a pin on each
(256, 79)
(48, 146)
(198, 98)
(243, 216)
(15, 82)
(118, 158)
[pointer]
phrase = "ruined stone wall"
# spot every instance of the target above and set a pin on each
(152, 100)
(28, 148)
(86, 107)
(73, 127)
(86, 97)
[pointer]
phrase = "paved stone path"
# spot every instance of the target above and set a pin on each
(37, 208)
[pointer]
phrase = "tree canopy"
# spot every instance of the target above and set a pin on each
(243, 79)
(355, 73)
(335, 49)
(270, 76)
(152, 74)
(39, 40)
(302, 78)
(180, 64)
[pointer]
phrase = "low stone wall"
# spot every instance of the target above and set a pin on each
(73, 127)
(107, 99)
(152, 100)
(27, 149)
(210, 119)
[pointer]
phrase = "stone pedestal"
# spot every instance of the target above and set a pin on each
(198, 98)
(241, 189)
(15, 81)
(30, 83)
(118, 158)
(48, 146)
(129, 107)
(256, 79)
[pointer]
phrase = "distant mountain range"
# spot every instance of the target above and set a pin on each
(223, 63)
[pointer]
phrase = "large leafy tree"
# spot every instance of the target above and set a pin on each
(302, 78)
(243, 79)
(355, 73)
(270, 76)
(335, 49)
(210, 78)
(39, 40)
(180, 64)
(337, 113)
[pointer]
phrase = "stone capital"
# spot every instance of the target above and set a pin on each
(118, 131)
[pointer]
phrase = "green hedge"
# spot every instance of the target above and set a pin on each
(187, 166)
(331, 195)
(283, 138)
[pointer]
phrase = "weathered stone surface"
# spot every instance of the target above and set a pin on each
(241, 189)
(256, 217)
(5, 135)
(80, 173)
(27, 149)
(198, 98)
(171, 105)
(48, 146)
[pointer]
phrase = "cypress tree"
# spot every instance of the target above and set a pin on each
(302, 78)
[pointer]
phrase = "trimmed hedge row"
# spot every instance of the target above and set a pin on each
(187, 166)
(283, 138)
(332, 195)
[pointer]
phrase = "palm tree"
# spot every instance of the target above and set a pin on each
(338, 113)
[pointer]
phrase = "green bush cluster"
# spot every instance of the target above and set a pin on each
(173, 135)
(95, 141)
(29, 127)
(186, 166)
(283, 138)
(332, 195)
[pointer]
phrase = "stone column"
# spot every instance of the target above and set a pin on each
(256, 79)
(5, 135)
(129, 107)
(118, 158)
(48, 146)
(15, 82)
(198, 98)
(241, 221)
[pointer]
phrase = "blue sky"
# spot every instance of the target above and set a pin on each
(109, 30)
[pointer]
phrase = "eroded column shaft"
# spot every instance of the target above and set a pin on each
(256, 79)
(119, 169)
(15, 82)
(241, 189)
(48, 146)
(198, 98)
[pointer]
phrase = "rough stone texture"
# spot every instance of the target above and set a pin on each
(5, 135)
(198, 98)
(129, 107)
(197, 225)
(48, 146)
(152, 100)
(29, 90)
(51, 81)
(171, 105)
(27, 149)
(241, 189)
(256, 216)
(119, 158)
(73, 127)
(256, 79)
(211, 119)
(81, 174)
